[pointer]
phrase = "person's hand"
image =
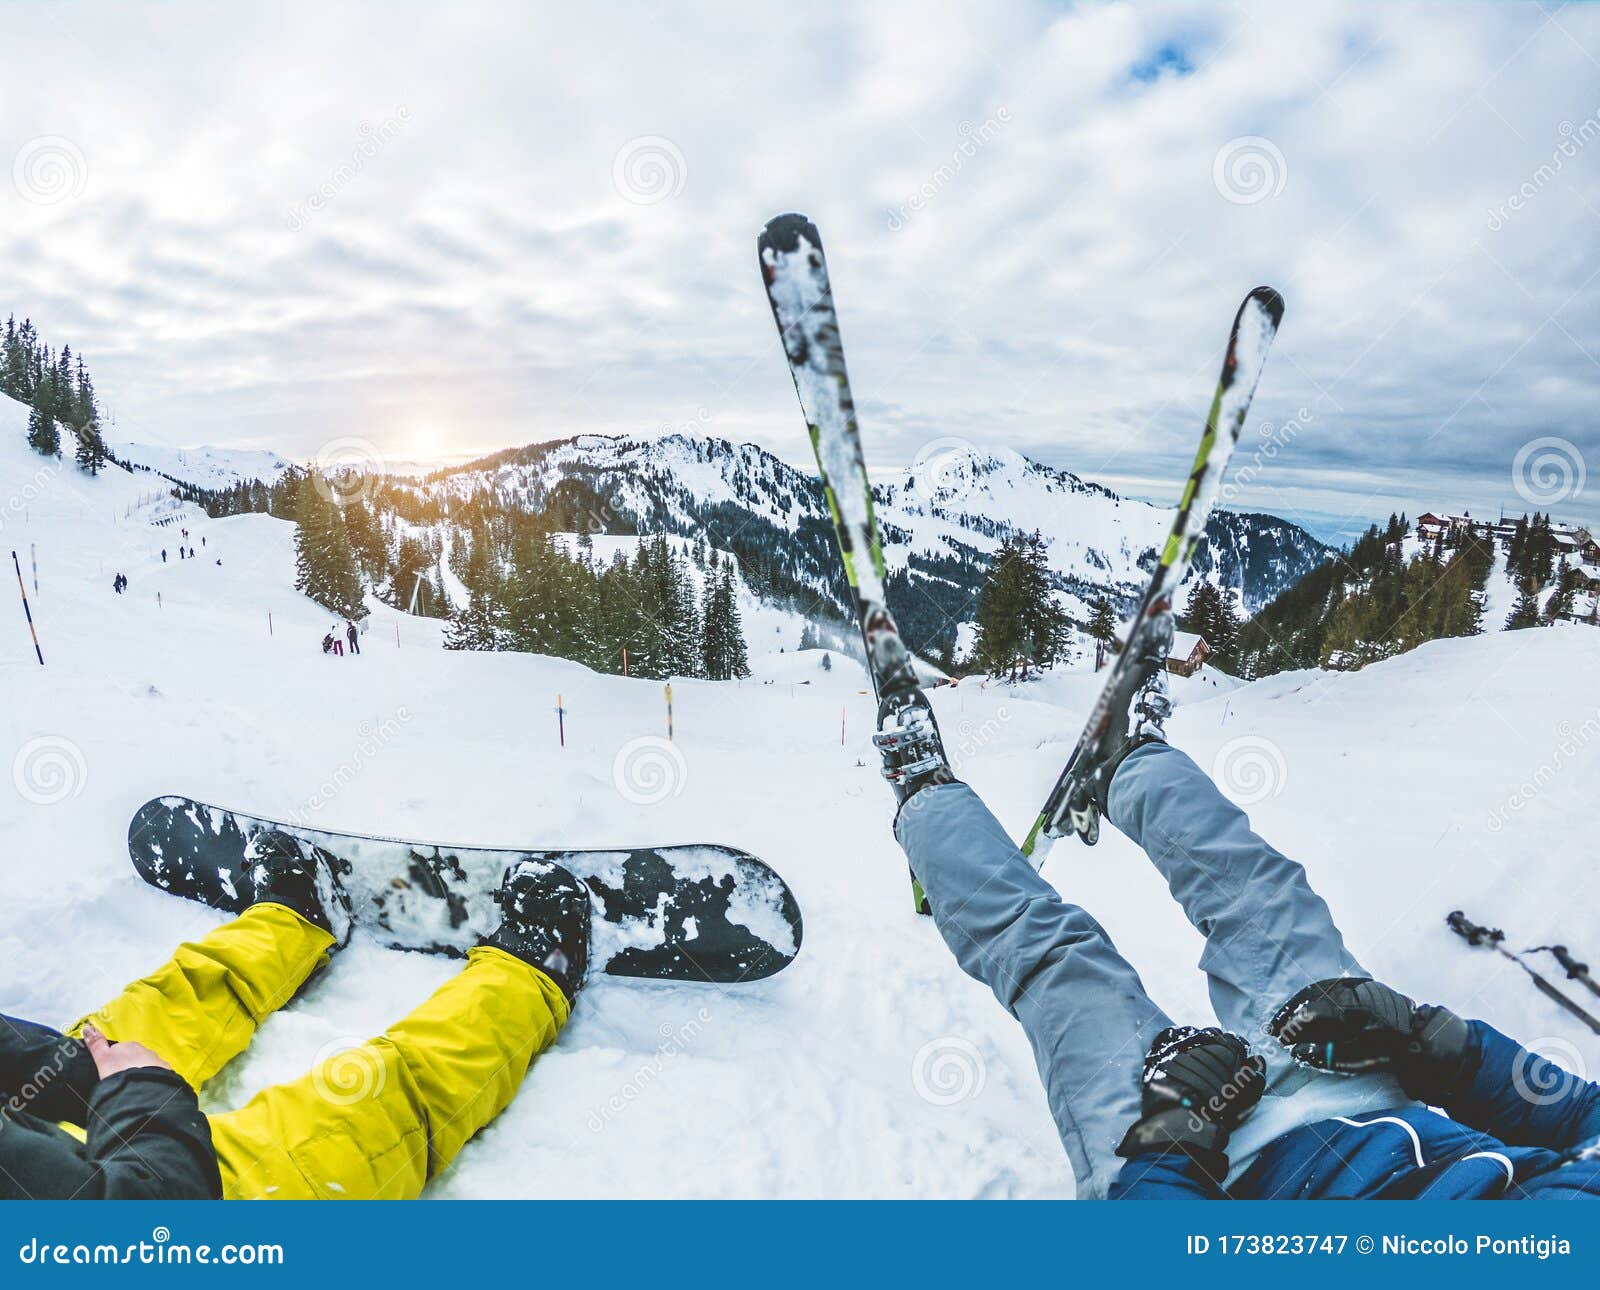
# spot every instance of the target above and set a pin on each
(1198, 1086)
(1354, 1025)
(109, 1058)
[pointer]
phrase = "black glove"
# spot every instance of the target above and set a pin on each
(1199, 1085)
(1354, 1025)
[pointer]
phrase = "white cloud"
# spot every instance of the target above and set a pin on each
(1062, 284)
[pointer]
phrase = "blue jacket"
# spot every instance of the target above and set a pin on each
(1517, 1127)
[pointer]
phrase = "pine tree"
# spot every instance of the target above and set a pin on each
(1020, 623)
(325, 569)
(1524, 613)
(43, 437)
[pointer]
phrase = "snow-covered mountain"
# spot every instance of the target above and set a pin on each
(204, 467)
(941, 519)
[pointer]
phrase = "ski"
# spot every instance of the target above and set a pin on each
(801, 296)
(1254, 326)
(1494, 938)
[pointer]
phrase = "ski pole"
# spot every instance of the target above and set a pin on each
(32, 630)
(1575, 970)
(1493, 937)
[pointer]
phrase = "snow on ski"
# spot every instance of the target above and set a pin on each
(1254, 327)
(801, 295)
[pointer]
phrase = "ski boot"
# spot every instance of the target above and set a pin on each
(913, 757)
(544, 921)
(1141, 722)
(283, 870)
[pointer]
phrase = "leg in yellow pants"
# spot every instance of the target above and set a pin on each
(373, 1122)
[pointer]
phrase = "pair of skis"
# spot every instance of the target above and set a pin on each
(801, 295)
(1492, 937)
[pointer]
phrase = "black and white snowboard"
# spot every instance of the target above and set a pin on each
(673, 913)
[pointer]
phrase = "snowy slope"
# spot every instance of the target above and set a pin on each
(1458, 775)
(205, 467)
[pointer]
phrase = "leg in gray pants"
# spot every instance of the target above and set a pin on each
(1081, 1005)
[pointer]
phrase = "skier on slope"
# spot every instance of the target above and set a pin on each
(1201, 1116)
(108, 1110)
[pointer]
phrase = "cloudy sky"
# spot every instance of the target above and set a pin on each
(446, 229)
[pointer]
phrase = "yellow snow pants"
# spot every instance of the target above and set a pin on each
(371, 1122)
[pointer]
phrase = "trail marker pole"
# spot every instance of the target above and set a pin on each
(32, 630)
(669, 709)
(269, 623)
(33, 556)
(842, 708)
(624, 660)
(561, 721)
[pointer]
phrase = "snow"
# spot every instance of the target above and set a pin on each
(1459, 775)
(206, 466)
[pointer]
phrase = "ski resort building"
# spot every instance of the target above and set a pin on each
(1188, 654)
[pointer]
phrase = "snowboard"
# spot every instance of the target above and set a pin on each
(672, 913)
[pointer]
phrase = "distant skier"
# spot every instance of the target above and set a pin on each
(129, 1072)
(352, 636)
(1163, 1126)
(327, 643)
(163, 555)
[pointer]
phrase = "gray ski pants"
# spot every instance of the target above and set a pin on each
(1081, 1003)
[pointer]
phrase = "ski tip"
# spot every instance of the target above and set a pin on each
(1269, 299)
(783, 233)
